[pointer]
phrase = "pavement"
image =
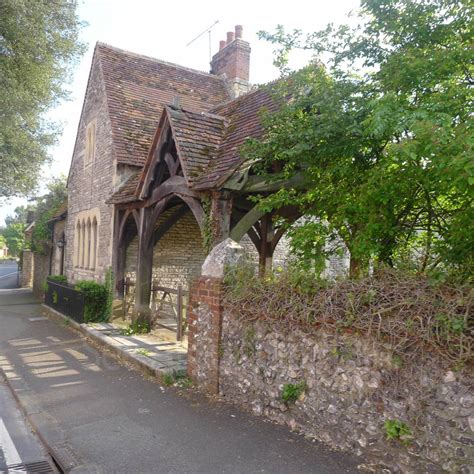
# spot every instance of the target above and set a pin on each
(8, 274)
(97, 416)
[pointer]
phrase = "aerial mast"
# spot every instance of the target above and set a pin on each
(207, 30)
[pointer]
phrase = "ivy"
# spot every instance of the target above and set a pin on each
(206, 231)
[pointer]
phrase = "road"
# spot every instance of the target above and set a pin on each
(8, 275)
(98, 416)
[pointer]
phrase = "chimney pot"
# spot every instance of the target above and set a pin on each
(230, 37)
(222, 44)
(238, 31)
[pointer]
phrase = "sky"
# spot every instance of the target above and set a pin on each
(163, 29)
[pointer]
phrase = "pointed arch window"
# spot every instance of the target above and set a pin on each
(94, 243)
(89, 155)
(88, 249)
(83, 246)
(86, 240)
(78, 243)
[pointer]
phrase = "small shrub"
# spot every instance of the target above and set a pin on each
(167, 379)
(178, 378)
(58, 279)
(136, 327)
(144, 352)
(95, 296)
(291, 392)
(396, 429)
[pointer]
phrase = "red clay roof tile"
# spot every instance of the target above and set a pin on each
(137, 89)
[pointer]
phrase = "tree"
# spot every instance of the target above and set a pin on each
(15, 238)
(46, 207)
(43, 210)
(38, 46)
(382, 134)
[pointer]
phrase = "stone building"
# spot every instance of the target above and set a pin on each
(156, 177)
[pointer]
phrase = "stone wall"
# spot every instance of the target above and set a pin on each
(352, 389)
(90, 184)
(27, 269)
(177, 257)
(41, 272)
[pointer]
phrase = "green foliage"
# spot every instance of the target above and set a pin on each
(58, 278)
(396, 429)
(167, 379)
(144, 352)
(39, 44)
(14, 237)
(109, 285)
(136, 327)
(178, 378)
(291, 392)
(46, 207)
(95, 295)
(206, 231)
(382, 135)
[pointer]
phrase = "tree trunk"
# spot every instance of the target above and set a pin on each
(355, 268)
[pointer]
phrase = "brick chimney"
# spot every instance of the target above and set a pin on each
(233, 61)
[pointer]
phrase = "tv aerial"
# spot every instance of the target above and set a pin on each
(207, 30)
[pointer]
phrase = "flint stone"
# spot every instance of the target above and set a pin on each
(226, 254)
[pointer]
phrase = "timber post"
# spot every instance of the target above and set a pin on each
(221, 211)
(266, 250)
(141, 311)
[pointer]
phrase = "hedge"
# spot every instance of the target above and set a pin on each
(96, 300)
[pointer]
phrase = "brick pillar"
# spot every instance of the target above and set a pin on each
(204, 332)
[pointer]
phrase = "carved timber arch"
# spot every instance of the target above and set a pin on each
(260, 227)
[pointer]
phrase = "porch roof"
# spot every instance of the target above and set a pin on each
(208, 143)
(126, 191)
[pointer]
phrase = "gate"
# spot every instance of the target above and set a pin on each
(168, 306)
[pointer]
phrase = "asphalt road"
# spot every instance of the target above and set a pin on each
(8, 275)
(100, 417)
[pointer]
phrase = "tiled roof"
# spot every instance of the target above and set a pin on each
(208, 143)
(243, 118)
(126, 192)
(197, 137)
(138, 87)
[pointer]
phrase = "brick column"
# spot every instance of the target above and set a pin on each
(204, 332)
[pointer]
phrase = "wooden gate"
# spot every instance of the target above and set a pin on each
(168, 306)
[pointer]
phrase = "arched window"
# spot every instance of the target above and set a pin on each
(83, 246)
(86, 240)
(88, 244)
(94, 243)
(90, 144)
(78, 243)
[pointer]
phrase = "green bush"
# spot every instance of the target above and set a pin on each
(96, 301)
(57, 278)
